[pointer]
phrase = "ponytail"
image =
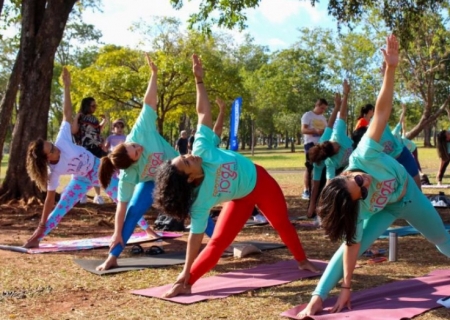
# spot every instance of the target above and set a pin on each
(320, 152)
(36, 163)
(117, 159)
(365, 110)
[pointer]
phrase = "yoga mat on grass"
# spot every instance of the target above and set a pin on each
(86, 244)
(224, 285)
(404, 231)
(162, 260)
(435, 186)
(394, 301)
(130, 264)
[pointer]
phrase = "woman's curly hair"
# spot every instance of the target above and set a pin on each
(338, 211)
(321, 151)
(37, 163)
(173, 194)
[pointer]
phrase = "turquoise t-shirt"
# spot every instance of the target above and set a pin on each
(156, 151)
(340, 159)
(388, 176)
(391, 145)
(411, 146)
(318, 167)
(228, 176)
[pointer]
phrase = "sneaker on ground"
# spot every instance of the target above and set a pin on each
(99, 200)
(305, 195)
(84, 199)
(259, 218)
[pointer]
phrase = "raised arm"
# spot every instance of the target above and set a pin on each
(403, 119)
(346, 91)
(337, 106)
(150, 97)
(203, 106)
(218, 126)
(383, 105)
(67, 108)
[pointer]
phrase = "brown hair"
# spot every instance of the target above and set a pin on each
(339, 212)
(117, 159)
(441, 145)
(37, 164)
(320, 152)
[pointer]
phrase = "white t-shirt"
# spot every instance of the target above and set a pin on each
(315, 121)
(74, 159)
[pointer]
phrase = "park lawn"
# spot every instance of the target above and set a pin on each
(51, 286)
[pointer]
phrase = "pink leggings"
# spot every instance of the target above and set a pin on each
(269, 198)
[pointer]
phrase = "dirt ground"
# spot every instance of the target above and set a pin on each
(51, 286)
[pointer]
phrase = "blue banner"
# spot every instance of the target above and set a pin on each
(234, 123)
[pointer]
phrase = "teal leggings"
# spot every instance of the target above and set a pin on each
(415, 208)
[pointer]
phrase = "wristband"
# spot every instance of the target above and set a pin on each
(199, 82)
(349, 288)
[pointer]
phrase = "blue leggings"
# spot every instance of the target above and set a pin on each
(415, 208)
(75, 191)
(140, 202)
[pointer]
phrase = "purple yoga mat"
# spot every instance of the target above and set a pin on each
(85, 244)
(266, 275)
(393, 301)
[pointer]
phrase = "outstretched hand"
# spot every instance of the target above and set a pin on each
(150, 63)
(345, 87)
(390, 53)
(221, 104)
(403, 107)
(337, 100)
(66, 77)
(342, 301)
(197, 67)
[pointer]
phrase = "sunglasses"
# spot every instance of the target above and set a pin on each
(360, 181)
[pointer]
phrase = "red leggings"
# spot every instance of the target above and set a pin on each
(269, 198)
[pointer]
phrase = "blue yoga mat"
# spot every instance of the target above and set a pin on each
(403, 231)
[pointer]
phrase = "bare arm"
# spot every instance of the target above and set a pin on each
(307, 130)
(150, 97)
(403, 119)
(383, 105)
(337, 106)
(193, 248)
(218, 126)
(75, 125)
(67, 108)
(203, 106)
(48, 206)
(120, 216)
(346, 91)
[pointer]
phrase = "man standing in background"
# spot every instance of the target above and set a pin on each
(313, 125)
(191, 141)
(182, 143)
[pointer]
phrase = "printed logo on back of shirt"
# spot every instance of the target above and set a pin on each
(154, 161)
(75, 165)
(225, 174)
(381, 196)
(388, 147)
(346, 156)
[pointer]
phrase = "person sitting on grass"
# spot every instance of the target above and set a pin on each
(191, 185)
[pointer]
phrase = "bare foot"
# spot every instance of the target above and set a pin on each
(307, 265)
(152, 234)
(314, 306)
(34, 240)
(110, 262)
(177, 289)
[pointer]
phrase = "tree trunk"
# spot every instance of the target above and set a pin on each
(427, 136)
(1, 6)
(7, 103)
(43, 24)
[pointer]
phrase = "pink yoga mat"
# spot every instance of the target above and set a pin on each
(393, 301)
(266, 275)
(85, 244)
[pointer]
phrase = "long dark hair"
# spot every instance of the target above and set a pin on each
(441, 145)
(357, 136)
(117, 159)
(365, 110)
(85, 107)
(37, 163)
(173, 194)
(339, 212)
(321, 151)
